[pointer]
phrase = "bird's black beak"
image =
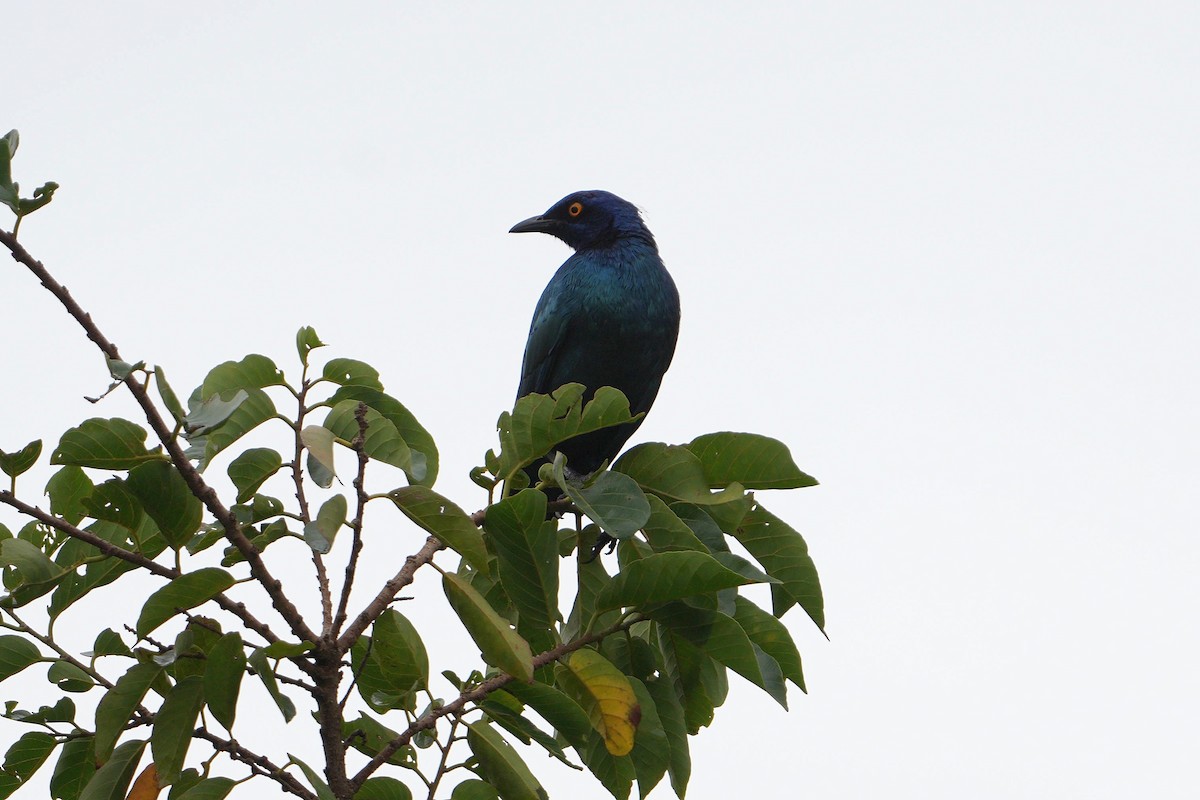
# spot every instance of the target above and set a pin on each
(538, 224)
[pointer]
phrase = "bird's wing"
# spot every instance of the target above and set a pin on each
(550, 331)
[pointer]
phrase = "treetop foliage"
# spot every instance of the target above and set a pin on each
(608, 672)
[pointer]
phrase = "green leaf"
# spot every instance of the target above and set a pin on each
(720, 638)
(670, 715)
(704, 526)
(260, 508)
(169, 398)
(661, 577)
(117, 706)
(369, 736)
(526, 546)
(473, 789)
(282, 649)
(41, 196)
(186, 780)
(538, 422)
(701, 682)
(348, 372)
(113, 501)
(185, 592)
(67, 489)
(260, 539)
(62, 711)
(382, 440)
(384, 788)
(558, 709)
(112, 780)
(318, 441)
(501, 765)
(766, 631)
(251, 469)
(36, 574)
(500, 645)
(651, 752)
(754, 461)
(8, 148)
(415, 436)
(74, 769)
(101, 571)
(252, 372)
(666, 532)
(212, 413)
(258, 662)
(173, 727)
(209, 789)
(400, 656)
(68, 677)
(372, 683)
(120, 370)
(14, 464)
(322, 789)
(331, 517)
(224, 670)
(256, 410)
(446, 521)
(109, 643)
(505, 710)
(104, 444)
(613, 501)
(784, 555)
(307, 341)
(165, 496)
(28, 754)
(672, 472)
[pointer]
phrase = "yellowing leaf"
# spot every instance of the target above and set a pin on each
(606, 694)
(146, 786)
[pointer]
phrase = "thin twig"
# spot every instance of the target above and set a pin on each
(441, 770)
(263, 764)
(305, 515)
(356, 525)
(24, 627)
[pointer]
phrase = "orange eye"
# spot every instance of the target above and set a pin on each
(575, 209)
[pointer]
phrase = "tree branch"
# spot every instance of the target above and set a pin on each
(109, 549)
(388, 593)
(201, 490)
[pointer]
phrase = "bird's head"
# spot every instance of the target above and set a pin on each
(588, 219)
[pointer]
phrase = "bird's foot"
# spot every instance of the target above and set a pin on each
(602, 541)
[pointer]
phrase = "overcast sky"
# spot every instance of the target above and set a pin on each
(945, 251)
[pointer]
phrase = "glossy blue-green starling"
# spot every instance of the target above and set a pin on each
(608, 317)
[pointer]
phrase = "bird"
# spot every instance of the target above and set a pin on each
(608, 317)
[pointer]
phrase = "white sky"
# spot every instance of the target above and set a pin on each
(945, 251)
